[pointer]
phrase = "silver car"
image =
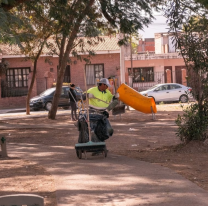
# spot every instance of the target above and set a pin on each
(169, 92)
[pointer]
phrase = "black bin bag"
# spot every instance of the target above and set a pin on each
(103, 130)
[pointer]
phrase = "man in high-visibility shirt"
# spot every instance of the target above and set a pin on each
(100, 93)
(100, 97)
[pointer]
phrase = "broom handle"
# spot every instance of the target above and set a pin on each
(101, 100)
(88, 116)
(114, 81)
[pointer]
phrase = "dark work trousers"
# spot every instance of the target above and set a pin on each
(73, 110)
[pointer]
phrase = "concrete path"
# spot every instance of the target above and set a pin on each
(112, 181)
(19, 114)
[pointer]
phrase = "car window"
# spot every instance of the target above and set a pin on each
(66, 90)
(48, 91)
(154, 87)
(62, 91)
(162, 88)
(175, 86)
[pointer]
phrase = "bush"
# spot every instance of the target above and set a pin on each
(192, 125)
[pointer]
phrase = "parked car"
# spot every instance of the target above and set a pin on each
(44, 100)
(169, 92)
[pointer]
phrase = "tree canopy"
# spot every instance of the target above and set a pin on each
(71, 19)
(188, 22)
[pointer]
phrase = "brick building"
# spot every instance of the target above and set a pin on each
(15, 82)
(163, 65)
(146, 45)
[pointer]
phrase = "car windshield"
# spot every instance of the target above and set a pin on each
(48, 91)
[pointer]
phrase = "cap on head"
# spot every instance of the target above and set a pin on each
(104, 81)
(72, 85)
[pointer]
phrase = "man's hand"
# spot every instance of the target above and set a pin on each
(90, 96)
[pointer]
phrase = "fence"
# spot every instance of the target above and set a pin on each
(146, 81)
(12, 91)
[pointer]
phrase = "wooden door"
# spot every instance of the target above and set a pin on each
(168, 74)
(178, 74)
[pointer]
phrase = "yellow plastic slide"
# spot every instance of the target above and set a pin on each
(135, 100)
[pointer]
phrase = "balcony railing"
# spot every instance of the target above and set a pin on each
(154, 56)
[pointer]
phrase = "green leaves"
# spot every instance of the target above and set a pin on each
(189, 25)
(192, 125)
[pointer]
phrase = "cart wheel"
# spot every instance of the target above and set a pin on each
(79, 153)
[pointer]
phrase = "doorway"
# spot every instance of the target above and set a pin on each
(178, 74)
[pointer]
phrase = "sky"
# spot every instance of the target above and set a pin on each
(158, 25)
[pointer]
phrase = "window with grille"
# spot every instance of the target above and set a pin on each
(17, 77)
(94, 72)
(143, 74)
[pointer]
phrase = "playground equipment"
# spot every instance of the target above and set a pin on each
(137, 101)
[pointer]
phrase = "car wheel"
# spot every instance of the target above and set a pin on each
(48, 106)
(183, 98)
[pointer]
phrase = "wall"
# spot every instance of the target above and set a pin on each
(111, 65)
(158, 65)
(172, 48)
(49, 70)
(12, 102)
(147, 45)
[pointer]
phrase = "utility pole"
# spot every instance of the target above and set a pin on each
(122, 69)
(131, 72)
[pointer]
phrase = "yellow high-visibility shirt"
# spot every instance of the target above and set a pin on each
(105, 96)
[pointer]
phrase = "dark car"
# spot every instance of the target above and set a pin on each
(44, 100)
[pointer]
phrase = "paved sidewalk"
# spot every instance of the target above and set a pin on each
(4, 111)
(19, 114)
(112, 181)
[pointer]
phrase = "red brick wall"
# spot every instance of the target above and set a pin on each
(110, 61)
(146, 46)
(12, 102)
(140, 46)
(150, 46)
(111, 64)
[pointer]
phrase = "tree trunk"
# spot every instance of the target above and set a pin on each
(64, 58)
(52, 112)
(61, 70)
(32, 82)
(30, 89)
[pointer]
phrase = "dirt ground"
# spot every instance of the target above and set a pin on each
(135, 135)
